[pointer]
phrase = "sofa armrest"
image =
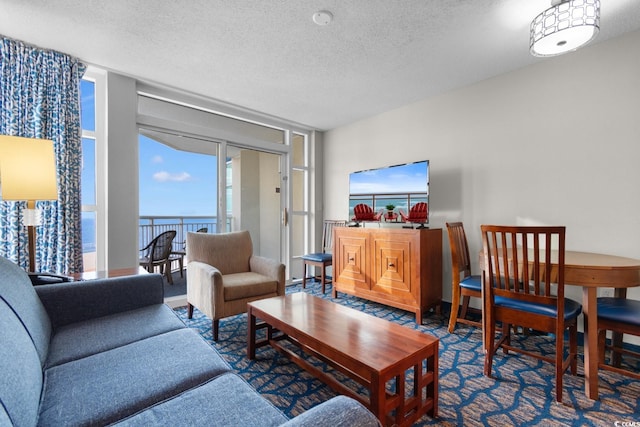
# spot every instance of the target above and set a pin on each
(270, 268)
(77, 301)
(340, 411)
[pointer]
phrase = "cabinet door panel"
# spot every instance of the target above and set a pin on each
(350, 261)
(392, 266)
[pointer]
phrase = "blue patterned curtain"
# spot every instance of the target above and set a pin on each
(39, 98)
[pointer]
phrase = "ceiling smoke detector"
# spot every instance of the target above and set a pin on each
(323, 17)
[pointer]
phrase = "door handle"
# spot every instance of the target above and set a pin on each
(285, 217)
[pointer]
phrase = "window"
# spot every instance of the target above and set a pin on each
(88, 177)
(300, 214)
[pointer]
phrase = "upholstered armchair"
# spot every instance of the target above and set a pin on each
(223, 275)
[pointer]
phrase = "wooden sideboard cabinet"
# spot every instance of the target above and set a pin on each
(397, 267)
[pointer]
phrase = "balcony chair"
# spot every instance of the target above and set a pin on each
(364, 212)
(323, 259)
(156, 254)
(621, 316)
(463, 283)
(418, 214)
(223, 275)
(521, 292)
(179, 255)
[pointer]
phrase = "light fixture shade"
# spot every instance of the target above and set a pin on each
(27, 169)
(564, 27)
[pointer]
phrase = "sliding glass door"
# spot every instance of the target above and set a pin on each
(184, 186)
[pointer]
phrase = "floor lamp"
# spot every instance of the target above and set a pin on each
(28, 172)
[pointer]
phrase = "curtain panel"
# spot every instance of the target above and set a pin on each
(39, 98)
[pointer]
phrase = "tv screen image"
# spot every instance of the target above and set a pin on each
(392, 194)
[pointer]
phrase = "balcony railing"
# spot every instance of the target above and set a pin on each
(151, 226)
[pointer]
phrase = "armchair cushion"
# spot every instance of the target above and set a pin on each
(228, 252)
(248, 285)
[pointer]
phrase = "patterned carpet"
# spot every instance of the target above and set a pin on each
(521, 392)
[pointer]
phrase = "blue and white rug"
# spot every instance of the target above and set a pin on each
(520, 393)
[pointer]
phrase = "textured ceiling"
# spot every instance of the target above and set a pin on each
(270, 57)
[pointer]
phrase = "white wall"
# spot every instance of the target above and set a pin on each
(122, 173)
(555, 143)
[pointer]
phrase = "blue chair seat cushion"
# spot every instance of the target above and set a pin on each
(318, 257)
(619, 310)
(473, 283)
(572, 308)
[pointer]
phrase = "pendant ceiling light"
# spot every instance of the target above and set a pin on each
(564, 27)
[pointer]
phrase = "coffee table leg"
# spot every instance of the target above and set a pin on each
(251, 335)
(377, 399)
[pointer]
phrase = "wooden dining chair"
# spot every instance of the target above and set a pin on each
(463, 284)
(518, 289)
(323, 259)
(621, 316)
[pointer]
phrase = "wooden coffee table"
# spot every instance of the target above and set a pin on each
(372, 351)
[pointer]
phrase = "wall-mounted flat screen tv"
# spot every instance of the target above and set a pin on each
(392, 194)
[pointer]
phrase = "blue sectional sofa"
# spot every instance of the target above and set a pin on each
(110, 352)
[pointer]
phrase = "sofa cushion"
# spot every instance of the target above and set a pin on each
(16, 289)
(109, 386)
(74, 302)
(224, 401)
(21, 371)
(248, 285)
(93, 336)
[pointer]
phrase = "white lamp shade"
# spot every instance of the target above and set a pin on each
(564, 27)
(27, 169)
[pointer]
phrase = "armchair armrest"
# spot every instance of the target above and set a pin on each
(340, 411)
(205, 289)
(77, 301)
(270, 268)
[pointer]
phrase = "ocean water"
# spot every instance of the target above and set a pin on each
(379, 202)
(160, 225)
(88, 235)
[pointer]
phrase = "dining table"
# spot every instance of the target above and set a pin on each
(592, 271)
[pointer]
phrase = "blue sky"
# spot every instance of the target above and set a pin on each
(409, 178)
(174, 182)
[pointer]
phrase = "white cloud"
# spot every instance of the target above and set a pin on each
(157, 159)
(164, 176)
